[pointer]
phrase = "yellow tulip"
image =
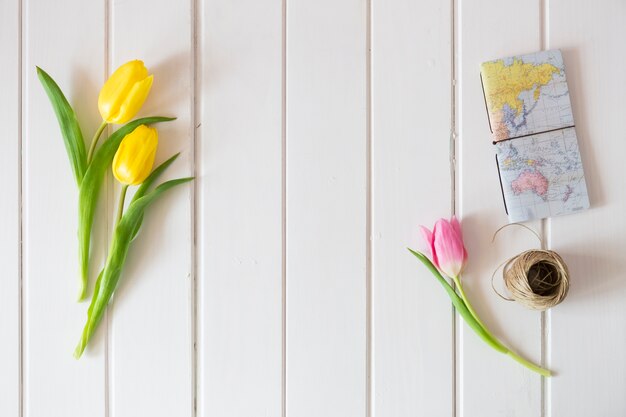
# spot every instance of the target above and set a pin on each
(124, 92)
(135, 156)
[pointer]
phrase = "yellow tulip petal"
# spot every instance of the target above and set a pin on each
(117, 88)
(144, 159)
(134, 158)
(133, 102)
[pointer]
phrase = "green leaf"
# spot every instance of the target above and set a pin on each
(90, 190)
(110, 275)
(156, 173)
(143, 188)
(70, 129)
(460, 306)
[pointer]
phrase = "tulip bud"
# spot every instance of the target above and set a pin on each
(124, 92)
(135, 156)
(447, 251)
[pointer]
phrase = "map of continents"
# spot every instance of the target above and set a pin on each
(531, 120)
(526, 94)
(542, 175)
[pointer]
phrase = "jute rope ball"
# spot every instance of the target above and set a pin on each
(536, 278)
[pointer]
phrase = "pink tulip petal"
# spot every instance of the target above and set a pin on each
(448, 248)
(427, 235)
(427, 248)
(456, 226)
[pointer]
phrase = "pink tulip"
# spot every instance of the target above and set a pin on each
(445, 242)
(446, 254)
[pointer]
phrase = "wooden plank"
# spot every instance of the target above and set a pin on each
(587, 332)
(413, 345)
(10, 209)
(151, 346)
(486, 33)
(72, 51)
(240, 209)
(326, 208)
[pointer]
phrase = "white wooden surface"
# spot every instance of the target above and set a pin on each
(10, 210)
(326, 208)
(52, 381)
(413, 324)
(154, 306)
(321, 134)
(588, 334)
(239, 167)
(486, 33)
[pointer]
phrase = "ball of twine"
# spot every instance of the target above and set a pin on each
(536, 278)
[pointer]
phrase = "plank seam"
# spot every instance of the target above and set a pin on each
(283, 179)
(452, 110)
(193, 207)
(453, 180)
(368, 210)
(107, 201)
(545, 229)
(20, 214)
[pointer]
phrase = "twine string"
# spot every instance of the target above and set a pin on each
(493, 276)
(536, 278)
(493, 238)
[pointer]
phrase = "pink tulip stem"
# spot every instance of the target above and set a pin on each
(457, 282)
(463, 307)
(447, 256)
(510, 353)
(459, 286)
(94, 141)
(529, 365)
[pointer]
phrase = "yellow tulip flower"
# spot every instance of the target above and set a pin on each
(135, 156)
(124, 92)
(121, 97)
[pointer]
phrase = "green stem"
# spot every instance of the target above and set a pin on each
(460, 306)
(459, 286)
(82, 289)
(515, 356)
(466, 311)
(94, 141)
(528, 364)
(120, 204)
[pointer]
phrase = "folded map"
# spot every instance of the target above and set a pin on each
(530, 116)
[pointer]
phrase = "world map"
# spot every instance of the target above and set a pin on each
(526, 94)
(531, 119)
(542, 175)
